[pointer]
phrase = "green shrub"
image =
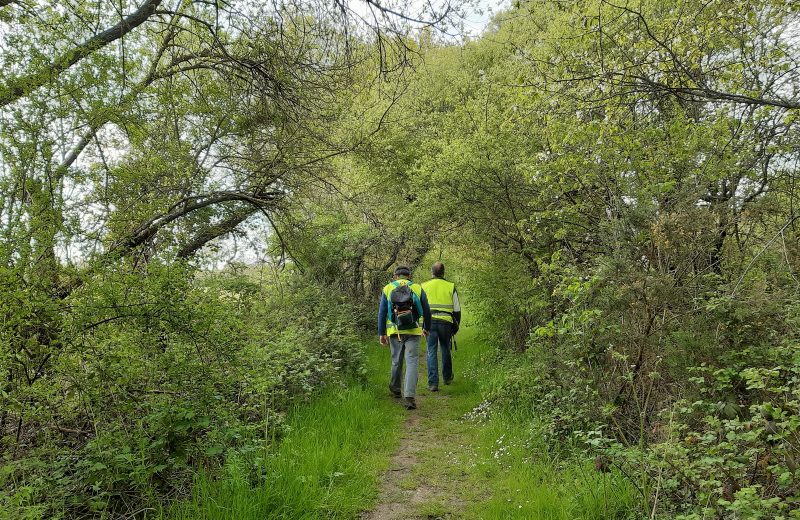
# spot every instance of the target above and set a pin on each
(691, 394)
(161, 373)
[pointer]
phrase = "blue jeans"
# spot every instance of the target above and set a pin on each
(441, 334)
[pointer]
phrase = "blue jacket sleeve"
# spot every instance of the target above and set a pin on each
(383, 311)
(426, 311)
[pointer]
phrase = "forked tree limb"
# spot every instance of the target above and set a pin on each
(183, 208)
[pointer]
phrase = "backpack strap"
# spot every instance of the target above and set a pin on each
(417, 303)
(390, 314)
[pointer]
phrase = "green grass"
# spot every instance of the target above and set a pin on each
(328, 465)
(500, 468)
(527, 484)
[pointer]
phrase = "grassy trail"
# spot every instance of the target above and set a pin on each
(455, 462)
(357, 453)
(427, 476)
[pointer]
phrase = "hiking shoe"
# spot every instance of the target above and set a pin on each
(433, 388)
(394, 392)
(410, 403)
(448, 381)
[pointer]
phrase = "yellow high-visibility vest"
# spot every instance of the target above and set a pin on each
(440, 298)
(387, 291)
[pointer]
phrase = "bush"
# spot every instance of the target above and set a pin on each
(691, 393)
(162, 372)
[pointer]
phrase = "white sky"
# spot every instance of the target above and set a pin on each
(478, 12)
(477, 21)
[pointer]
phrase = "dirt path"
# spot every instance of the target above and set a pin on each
(423, 478)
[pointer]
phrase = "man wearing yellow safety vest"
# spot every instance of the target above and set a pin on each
(446, 313)
(403, 303)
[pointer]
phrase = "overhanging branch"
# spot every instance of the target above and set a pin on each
(227, 225)
(186, 206)
(20, 86)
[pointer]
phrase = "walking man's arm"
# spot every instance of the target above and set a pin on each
(383, 311)
(456, 312)
(426, 312)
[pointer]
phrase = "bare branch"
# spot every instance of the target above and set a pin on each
(710, 94)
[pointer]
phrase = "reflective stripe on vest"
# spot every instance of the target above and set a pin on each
(387, 291)
(440, 298)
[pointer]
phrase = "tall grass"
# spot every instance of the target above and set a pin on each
(517, 471)
(326, 466)
(527, 483)
(329, 463)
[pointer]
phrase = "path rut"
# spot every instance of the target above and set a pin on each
(406, 490)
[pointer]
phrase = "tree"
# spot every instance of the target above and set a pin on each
(139, 132)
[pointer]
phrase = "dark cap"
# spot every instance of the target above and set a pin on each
(402, 270)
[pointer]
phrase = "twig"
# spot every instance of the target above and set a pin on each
(766, 246)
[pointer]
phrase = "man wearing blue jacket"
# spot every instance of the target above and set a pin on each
(402, 304)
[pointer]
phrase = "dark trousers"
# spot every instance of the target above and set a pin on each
(441, 335)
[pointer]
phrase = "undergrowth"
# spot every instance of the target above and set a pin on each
(327, 464)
